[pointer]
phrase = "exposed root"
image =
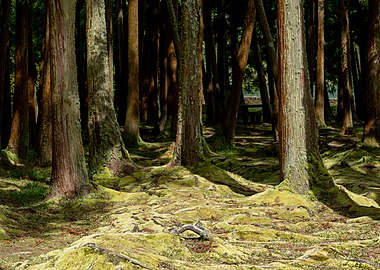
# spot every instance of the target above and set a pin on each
(197, 228)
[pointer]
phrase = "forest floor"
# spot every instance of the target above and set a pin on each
(135, 222)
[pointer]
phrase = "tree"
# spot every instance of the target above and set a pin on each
(44, 127)
(238, 68)
(301, 166)
(106, 145)
(371, 134)
(4, 72)
(19, 139)
(345, 68)
(69, 175)
(320, 80)
(132, 119)
(188, 146)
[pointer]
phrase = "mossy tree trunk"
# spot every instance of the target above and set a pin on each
(301, 166)
(238, 67)
(188, 146)
(106, 145)
(5, 9)
(69, 175)
(132, 119)
(371, 133)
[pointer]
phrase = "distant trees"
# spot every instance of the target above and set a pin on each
(170, 57)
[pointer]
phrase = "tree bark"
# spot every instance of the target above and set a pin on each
(301, 166)
(44, 127)
(188, 147)
(371, 134)
(4, 72)
(19, 139)
(69, 175)
(347, 125)
(121, 68)
(132, 119)
(320, 81)
(239, 65)
(106, 145)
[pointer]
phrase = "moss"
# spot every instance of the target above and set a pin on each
(10, 157)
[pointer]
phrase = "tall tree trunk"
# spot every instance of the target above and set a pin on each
(301, 166)
(188, 147)
(44, 133)
(121, 68)
(69, 174)
(347, 126)
(106, 144)
(320, 81)
(212, 91)
(132, 133)
(371, 135)
(239, 65)
(164, 75)
(265, 101)
(19, 140)
(4, 72)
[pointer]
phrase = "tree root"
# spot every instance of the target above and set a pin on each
(109, 252)
(197, 228)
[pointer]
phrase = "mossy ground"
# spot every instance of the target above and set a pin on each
(253, 224)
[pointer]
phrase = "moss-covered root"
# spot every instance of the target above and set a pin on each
(219, 176)
(349, 203)
(10, 158)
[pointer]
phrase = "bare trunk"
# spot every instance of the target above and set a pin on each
(69, 174)
(4, 72)
(44, 134)
(301, 166)
(19, 140)
(371, 133)
(320, 81)
(132, 119)
(347, 126)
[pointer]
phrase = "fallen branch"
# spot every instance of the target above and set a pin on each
(109, 252)
(197, 228)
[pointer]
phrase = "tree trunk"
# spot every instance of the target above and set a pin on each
(301, 166)
(269, 43)
(19, 140)
(121, 69)
(347, 126)
(106, 145)
(371, 134)
(132, 119)
(188, 148)
(4, 72)
(239, 65)
(320, 81)
(44, 133)
(265, 101)
(311, 41)
(69, 175)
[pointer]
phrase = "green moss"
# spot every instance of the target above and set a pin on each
(10, 157)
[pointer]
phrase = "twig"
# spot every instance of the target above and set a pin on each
(109, 252)
(197, 228)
